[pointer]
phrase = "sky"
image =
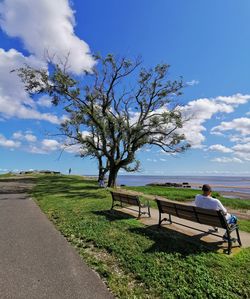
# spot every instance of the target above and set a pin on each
(206, 42)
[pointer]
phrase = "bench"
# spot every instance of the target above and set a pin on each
(125, 199)
(199, 215)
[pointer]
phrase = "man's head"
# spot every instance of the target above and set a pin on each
(206, 189)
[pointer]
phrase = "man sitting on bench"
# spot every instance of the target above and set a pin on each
(206, 201)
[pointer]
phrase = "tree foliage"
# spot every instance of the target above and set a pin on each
(115, 111)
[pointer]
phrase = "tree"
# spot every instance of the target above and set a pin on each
(110, 120)
(89, 142)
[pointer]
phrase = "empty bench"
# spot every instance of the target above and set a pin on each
(125, 200)
(199, 215)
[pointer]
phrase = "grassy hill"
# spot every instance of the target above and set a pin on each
(134, 260)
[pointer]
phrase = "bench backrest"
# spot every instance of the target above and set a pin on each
(126, 198)
(203, 216)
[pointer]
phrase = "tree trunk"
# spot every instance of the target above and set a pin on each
(112, 176)
(101, 169)
(101, 175)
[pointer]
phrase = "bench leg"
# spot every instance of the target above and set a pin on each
(159, 223)
(229, 245)
(229, 241)
(113, 203)
(238, 237)
(149, 213)
(139, 214)
(169, 219)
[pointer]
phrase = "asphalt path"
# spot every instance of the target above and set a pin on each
(36, 261)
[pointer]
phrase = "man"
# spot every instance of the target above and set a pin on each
(206, 201)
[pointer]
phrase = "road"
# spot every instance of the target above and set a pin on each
(36, 261)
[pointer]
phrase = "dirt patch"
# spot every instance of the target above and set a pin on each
(242, 214)
(234, 194)
(16, 185)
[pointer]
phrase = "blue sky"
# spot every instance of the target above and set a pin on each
(206, 42)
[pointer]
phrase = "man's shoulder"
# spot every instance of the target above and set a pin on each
(214, 199)
(210, 198)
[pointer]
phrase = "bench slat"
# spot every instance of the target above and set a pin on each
(126, 198)
(204, 216)
(187, 215)
(130, 200)
(211, 220)
(192, 213)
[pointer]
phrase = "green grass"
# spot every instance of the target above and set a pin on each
(186, 195)
(244, 225)
(134, 260)
(6, 175)
(171, 193)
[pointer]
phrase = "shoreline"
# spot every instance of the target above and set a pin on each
(225, 193)
(198, 186)
(235, 194)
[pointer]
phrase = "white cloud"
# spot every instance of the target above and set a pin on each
(30, 138)
(50, 145)
(14, 101)
(28, 142)
(227, 160)
(27, 136)
(241, 125)
(44, 101)
(73, 149)
(217, 133)
(242, 155)
(162, 152)
(239, 139)
(243, 148)
(242, 151)
(4, 142)
(36, 150)
(151, 160)
(17, 135)
(46, 146)
(199, 111)
(236, 99)
(85, 134)
(192, 82)
(46, 26)
(241, 136)
(220, 148)
(42, 26)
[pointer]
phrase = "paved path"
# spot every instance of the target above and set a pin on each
(35, 259)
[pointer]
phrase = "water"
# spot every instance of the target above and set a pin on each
(218, 183)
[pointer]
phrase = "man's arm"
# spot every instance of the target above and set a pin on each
(221, 207)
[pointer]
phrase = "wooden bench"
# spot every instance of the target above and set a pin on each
(199, 215)
(126, 200)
